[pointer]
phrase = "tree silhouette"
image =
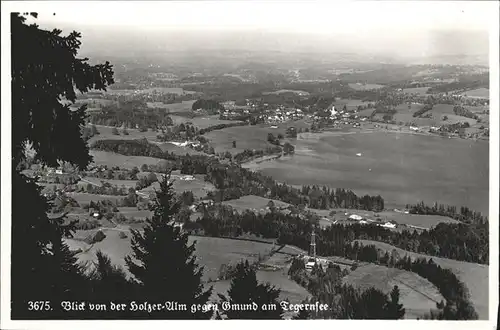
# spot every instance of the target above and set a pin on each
(163, 263)
(246, 291)
(395, 310)
(42, 265)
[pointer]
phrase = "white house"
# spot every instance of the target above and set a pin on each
(355, 217)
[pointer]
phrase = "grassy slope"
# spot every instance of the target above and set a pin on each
(475, 276)
(417, 294)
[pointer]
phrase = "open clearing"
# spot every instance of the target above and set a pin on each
(351, 104)
(112, 159)
(364, 87)
(252, 202)
(475, 276)
(402, 168)
(482, 93)
(417, 294)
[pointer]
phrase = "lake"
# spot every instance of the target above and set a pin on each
(402, 168)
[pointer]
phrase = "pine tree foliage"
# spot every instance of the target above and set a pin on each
(163, 263)
(246, 291)
(42, 265)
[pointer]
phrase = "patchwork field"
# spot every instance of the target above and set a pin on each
(392, 165)
(364, 87)
(417, 294)
(111, 159)
(475, 276)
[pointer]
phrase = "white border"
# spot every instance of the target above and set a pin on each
(6, 323)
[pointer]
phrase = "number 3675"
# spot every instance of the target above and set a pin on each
(39, 305)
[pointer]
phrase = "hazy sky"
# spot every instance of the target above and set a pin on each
(399, 26)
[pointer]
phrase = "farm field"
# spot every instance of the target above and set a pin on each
(351, 104)
(475, 276)
(417, 294)
(201, 122)
(252, 202)
(455, 171)
(112, 159)
(133, 212)
(165, 90)
(184, 106)
(483, 93)
(248, 137)
(105, 132)
(84, 198)
(364, 87)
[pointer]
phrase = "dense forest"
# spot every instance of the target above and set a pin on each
(455, 241)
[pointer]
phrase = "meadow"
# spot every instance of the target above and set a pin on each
(252, 202)
(211, 252)
(402, 168)
(248, 137)
(364, 87)
(106, 132)
(475, 276)
(112, 159)
(417, 294)
(199, 187)
(184, 106)
(483, 93)
(84, 198)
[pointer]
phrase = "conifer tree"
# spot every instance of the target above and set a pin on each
(395, 310)
(163, 263)
(42, 266)
(246, 290)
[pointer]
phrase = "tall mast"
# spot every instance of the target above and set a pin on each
(313, 244)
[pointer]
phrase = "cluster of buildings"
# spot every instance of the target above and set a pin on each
(282, 114)
(363, 220)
